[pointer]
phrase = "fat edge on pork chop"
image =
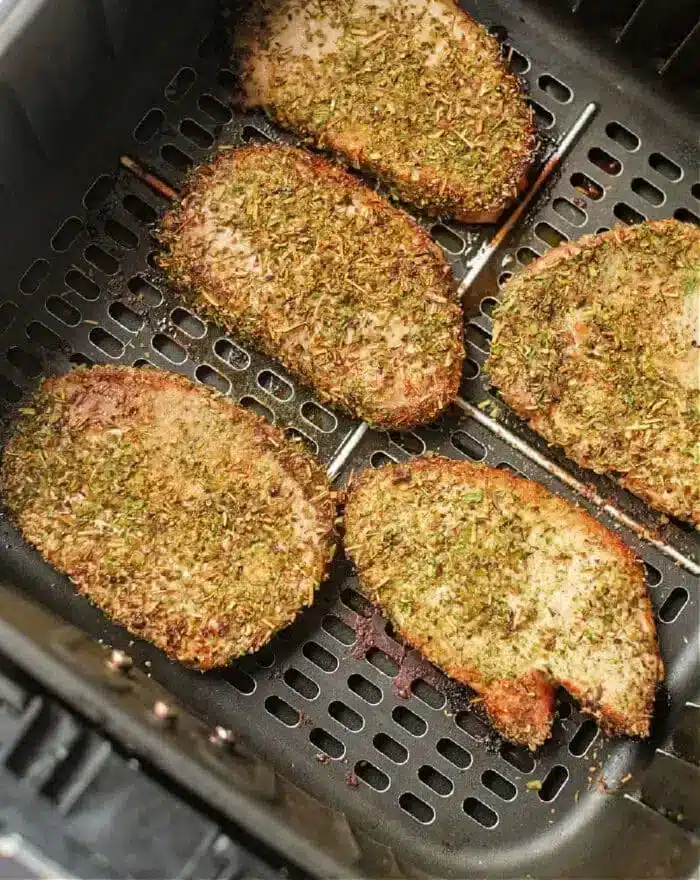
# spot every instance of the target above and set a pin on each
(320, 272)
(416, 93)
(596, 346)
(185, 518)
(508, 589)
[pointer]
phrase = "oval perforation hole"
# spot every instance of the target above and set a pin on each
(627, 214)
(120, 234)
(82, 285)
(435, 780)
(31, 280)
(471, 724)
(666, 167)
(673, 605)
(275, 385)
(584, 738)
(254, 405)
(487, 305)
(427, 694)
(151, 124)
(623, 136)
(319, 417)
(550, 235)
(686, 216)
(298, 436)
(327, 743)
(453, 753)
(515, 60)
(9, 391)
(356, 602)
(553, 783)
(180, 84)
(243, 682)
(302, 684)
(63, 311)
(391, 749)
(265, 657)
(526, 255)
(478, 337)
(98, 193)
(518, 757)
(78, 359)
(499, 785)
(373, 776)
(232, 354)
(66, 234)
(603, 160)
(337, 628)
(410, 722)
(505, 277)
(468, 445)
(26, 363)
(411, 443)
(499, 32)
(8, 311)
(282, 711)
(169, 349)
(504, 466)
(470, 369)
(142, 362)
(188, 323)
(251, 134)
(101, 260)
(227, 79)
(648, 191)
(652, 574)
(569, 212)
(380, 459)
(416, 808)
(695, 190)
(382, 662)
(346, 716)
(106, 343)
(555, 88)
(479, 812)
(194, 132)
(140, 210)
(207, 375)
(214, 109)
(587, 186)
(43, 337)
(144, 291)
(544, 119)
(364, 689)
(447, 239)
(320, 657)
(174, 156)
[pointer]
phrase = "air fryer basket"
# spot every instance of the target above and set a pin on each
(412, 778)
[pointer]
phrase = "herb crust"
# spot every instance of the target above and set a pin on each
(185, 518)
(323, 274)
(416, 93)
(596, 346)
(508, 589)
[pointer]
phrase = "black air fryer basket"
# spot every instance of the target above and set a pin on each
(335, 745)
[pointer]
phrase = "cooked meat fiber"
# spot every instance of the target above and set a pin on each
(187, 519)
(508, 589)
(596, 345)
(415, 92)
(323, 274)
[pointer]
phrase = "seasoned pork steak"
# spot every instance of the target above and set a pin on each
(413, 91)
(184, 517)
(323, 274)
(508, 589)
(596, 345)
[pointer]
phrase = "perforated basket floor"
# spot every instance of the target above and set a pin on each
(335, 703)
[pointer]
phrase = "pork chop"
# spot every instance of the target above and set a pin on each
(416, 93)
(185, 518)
(596, 346)
(323, 274)
(508, 589)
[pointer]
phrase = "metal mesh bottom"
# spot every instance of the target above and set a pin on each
(335, 702)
